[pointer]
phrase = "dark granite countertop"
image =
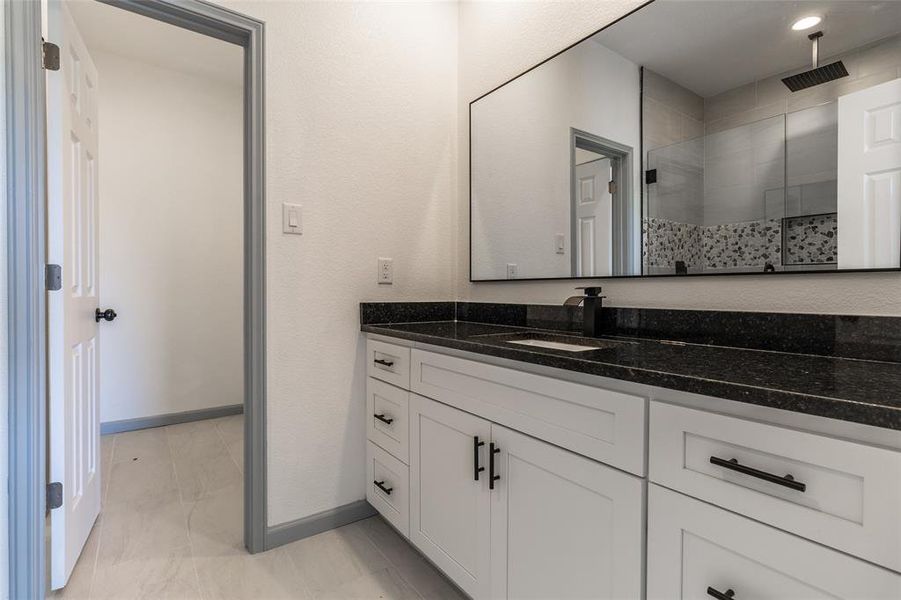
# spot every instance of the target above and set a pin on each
(861, 391)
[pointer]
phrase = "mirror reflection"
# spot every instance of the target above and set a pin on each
(694, 137)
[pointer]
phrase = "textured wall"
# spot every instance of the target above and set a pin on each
(361, 113)
(497, 42)
(171, 241)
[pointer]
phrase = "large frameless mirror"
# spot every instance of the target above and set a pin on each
(697, 138)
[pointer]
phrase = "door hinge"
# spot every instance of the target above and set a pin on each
(650, 176)
(50, 56)
(54, 495)
(611, 187)
(53, 278)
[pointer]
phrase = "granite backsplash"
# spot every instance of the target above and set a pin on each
(845, 336)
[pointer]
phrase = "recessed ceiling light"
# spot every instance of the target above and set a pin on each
(806, 23)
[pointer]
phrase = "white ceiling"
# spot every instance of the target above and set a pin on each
(117, 31)
(710, 46)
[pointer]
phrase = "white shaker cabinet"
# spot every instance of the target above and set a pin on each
(699, 552)
(510, 516)
(562, 525)
(523, 485)
(449, 507)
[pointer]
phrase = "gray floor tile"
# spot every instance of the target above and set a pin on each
(331, 559)
(172, 527)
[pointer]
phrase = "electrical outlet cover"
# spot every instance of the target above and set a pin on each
(386, 270)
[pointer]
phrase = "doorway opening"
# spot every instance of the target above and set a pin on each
(57, 147)
(602, 213)
(145, 335)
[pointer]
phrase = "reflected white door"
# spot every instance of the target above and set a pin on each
(869, 177)
(72, 216)
(593, 213)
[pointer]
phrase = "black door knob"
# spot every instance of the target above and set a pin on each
(107, 315)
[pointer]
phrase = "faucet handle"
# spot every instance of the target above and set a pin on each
(591, 290)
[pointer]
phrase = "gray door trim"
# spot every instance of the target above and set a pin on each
(26, 201)
(25, 193)
(230, 26)
(624, 245)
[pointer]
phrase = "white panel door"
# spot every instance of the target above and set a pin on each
(72, 214)
(593, 213)
(697, 552)
(449, 507)
(562, 526)
(869, 177)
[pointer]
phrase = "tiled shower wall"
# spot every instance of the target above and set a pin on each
(762, 153)
(809, 241)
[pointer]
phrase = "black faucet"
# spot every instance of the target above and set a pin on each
(592, 303)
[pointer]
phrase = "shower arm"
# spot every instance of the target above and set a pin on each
(815, 38)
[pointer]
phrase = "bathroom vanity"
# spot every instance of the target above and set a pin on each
(663, 454)
(534, 471)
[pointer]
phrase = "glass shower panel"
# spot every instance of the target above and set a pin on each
(810, 225)
(718, 201)
(744, 180)
(674, 209)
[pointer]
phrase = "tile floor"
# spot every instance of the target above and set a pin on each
(171, 527)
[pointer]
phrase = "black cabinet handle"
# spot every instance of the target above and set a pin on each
(106, 315)
(382, 361)
(476, 469)
(727, 595)
(381, 486)
(733, 465)
(492, 450)
(384, 419)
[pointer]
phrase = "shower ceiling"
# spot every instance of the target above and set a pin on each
(689, 50)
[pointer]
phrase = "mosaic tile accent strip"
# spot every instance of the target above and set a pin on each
(748, 244)
(811, 240)
(665, 242)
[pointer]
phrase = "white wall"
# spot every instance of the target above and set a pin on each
(171, 240)
(361, 130)
(498, 40)
(521, 156)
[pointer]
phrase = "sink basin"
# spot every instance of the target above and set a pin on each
(554, 341)
(553, 345)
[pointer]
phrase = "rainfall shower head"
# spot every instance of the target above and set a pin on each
(817, 75)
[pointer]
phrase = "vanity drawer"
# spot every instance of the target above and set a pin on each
(388, 487)
(602, 424)
(696, 550)
(842, 494)
(388, 362)
(387, 417)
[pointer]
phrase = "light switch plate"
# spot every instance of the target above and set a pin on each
(560, 243)
(292, 218)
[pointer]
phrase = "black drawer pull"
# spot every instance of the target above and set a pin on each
(384, 419)
(492, 450)
(728, 595)
(380, 485)
(733, 465)
(382, 361)
(476, 469)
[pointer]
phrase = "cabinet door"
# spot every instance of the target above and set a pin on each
(562, 526)
(449, 507)
(697, 551)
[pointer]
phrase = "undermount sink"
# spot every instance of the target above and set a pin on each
(553, 345)
(551, 341)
